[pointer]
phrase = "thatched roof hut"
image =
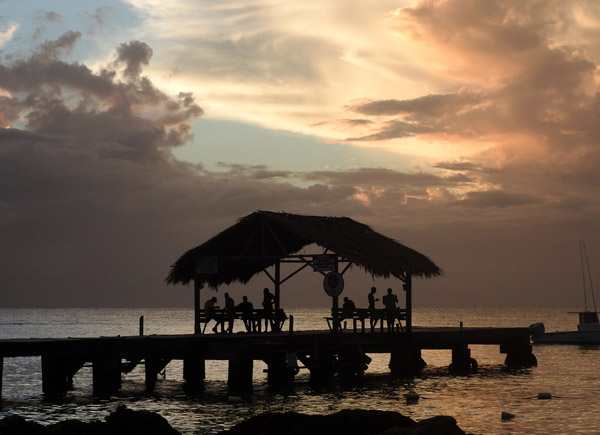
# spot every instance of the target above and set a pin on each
(263, 238)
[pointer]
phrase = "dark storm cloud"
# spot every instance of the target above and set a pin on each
(526, 90)
(377, 177)
(259, 172)
(87, 179)
(459, 166)
(429, 105)
(42, 18)
(51, 50)
(134, 55)
(393, 130)
(93, 206)
(48, 16)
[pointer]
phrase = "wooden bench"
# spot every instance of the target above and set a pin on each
(377, 316)
(256, 319)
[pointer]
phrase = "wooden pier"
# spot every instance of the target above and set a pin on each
(324, 353)
(274, 244)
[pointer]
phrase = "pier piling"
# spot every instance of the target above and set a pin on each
(194, 370)
(518, 354)
(280, 373)
(153, 366)
(322, 367)
(106, 374)
(57, 374)
(462, 363)
(406, 360)
(239, 376)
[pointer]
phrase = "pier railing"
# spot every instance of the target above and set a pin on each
(379, 318)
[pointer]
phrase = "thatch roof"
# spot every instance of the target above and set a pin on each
(260, 239)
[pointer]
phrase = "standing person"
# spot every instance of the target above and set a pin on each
(246, 308)
(389, 301)
(268, 299)
(209, 312)
(372, 300)
(229, 312)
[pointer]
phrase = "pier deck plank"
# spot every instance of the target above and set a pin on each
(222, 346)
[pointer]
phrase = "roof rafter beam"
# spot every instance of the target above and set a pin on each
(283, 250)
(245, 248)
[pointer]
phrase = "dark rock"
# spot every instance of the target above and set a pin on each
(121, 422)
(440, 425)
(17, 425)
(345, 422)
(134, 422)
(75, 427)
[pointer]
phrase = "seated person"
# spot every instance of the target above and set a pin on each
(348, 309)
(246, 308)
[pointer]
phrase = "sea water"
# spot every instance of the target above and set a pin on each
(571, 374)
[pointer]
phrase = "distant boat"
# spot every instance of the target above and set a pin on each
(588, 330)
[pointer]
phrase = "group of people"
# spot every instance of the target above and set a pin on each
(245, 308)
(390, 301)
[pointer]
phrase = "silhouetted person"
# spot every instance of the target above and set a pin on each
(229, 312)
(209, 312)
(389, 301)
(348, 309)
(246, 308)
(267, 303)
(372, 313)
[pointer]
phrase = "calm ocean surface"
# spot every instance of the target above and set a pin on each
(570, 373)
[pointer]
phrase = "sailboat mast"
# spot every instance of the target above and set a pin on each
(590, 278)
(581, 255)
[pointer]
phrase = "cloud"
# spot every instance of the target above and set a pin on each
(499, 105)
(429, 105)
(495, 198)
(7, 34)
(134, 54)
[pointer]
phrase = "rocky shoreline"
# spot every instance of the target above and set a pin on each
(125, 421)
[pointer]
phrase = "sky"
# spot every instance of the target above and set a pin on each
(134, 130)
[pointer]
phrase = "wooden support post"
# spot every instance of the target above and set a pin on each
(197, 287)
(335, 317)
(153, 366)
(106, 374)
(194, 370)
(519, 354)
(406, 360)
(281, 371)
(277, 284)
(462, 363)
(1, 375)
(408, 288)
(55, 381)
(352, 363)
(239, 377)
(322, 369)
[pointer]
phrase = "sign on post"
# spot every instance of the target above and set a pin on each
(324, 262)
(333, 284)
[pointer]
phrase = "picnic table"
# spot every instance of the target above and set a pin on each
(256, 319)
